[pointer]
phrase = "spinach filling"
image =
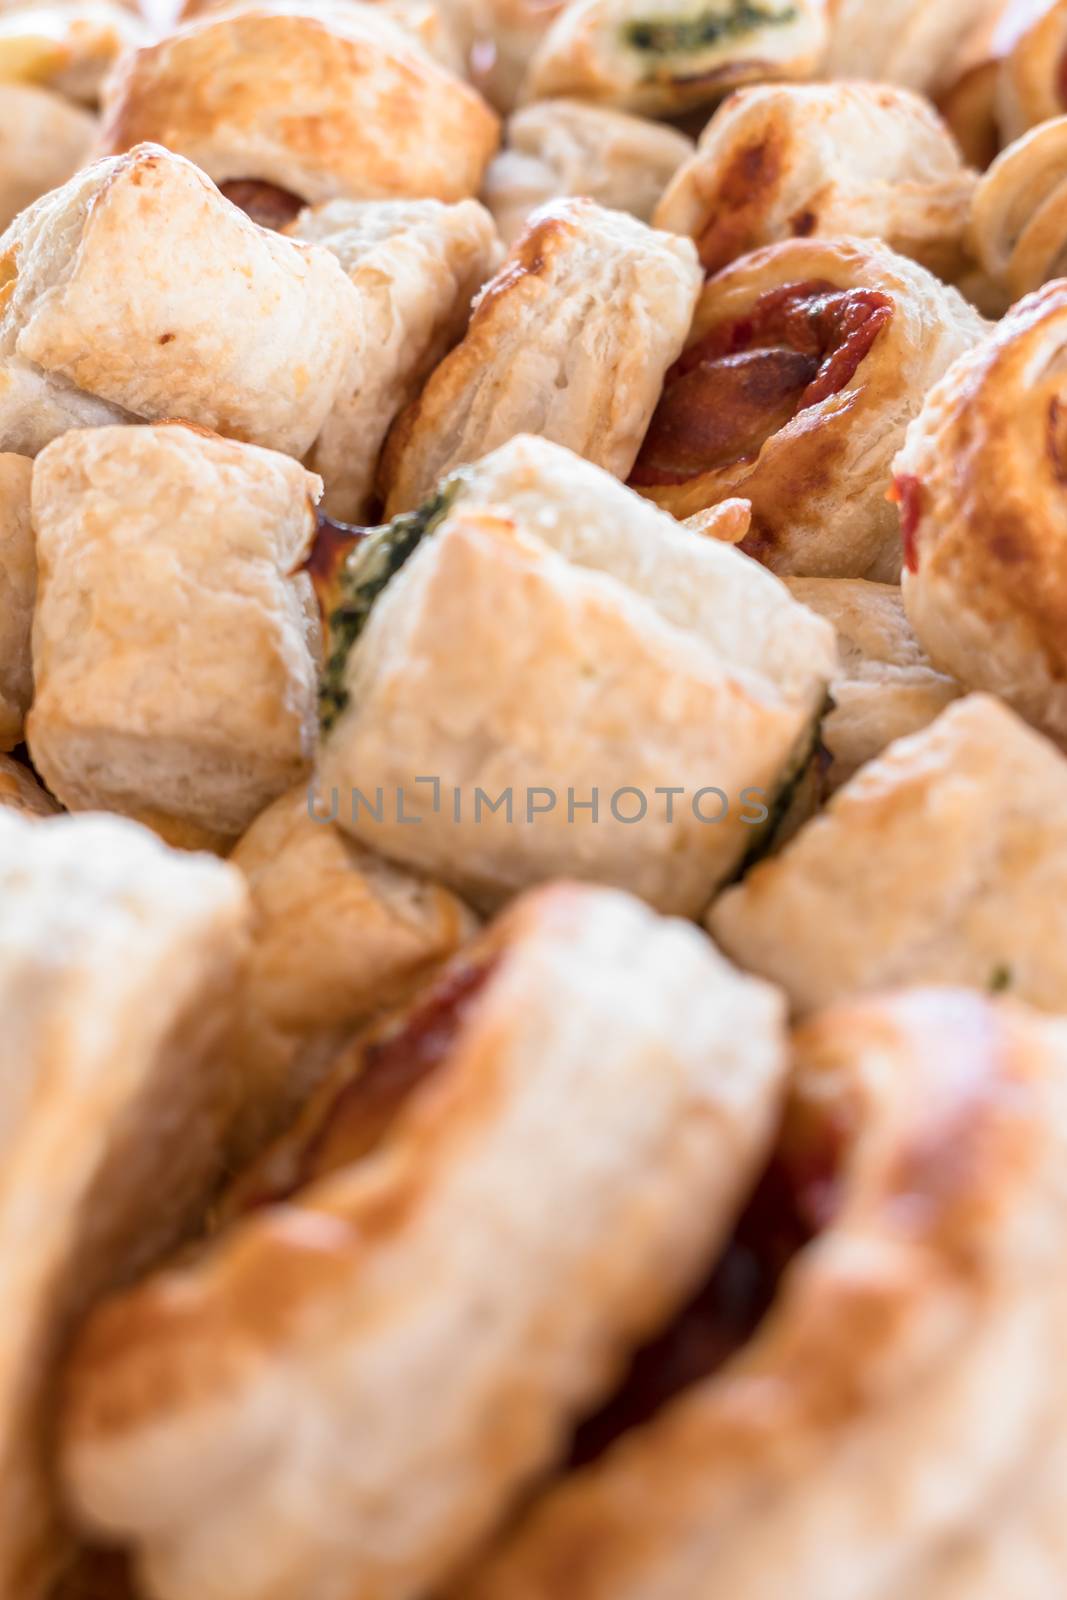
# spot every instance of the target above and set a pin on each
(360, 580)
(797, 797)
(676, 36)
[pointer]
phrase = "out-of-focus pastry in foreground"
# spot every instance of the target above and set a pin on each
(944, 861)
(137, 292)
(338, 933)
(415, 266)
(119, 966)
(556, 148)
(18, 587)
(500, 1194)
(981, 481)
(660, 57)
(340, 103)
(555, 679)
(817, 1423)
(43, 141)
(174, 652)
(569, 340)
(804, 364)
(786, 161)
(1018, 222)
(886, 685)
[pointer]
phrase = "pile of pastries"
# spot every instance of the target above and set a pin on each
(533, 800)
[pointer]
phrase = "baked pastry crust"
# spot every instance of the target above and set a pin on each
(604, 649)
(20, 791)
(556, 148)
(1018, 223)
(943, 861)
(805, 423)
(185, 695)
(886, 686)
(981, 477)
(569, 340)
(342, 103)
(103, 319)
(338, 933)
(910, 42)
(18, 585)
(43, 141)
(847, 1449)
(415, 265)
(454, 1288)
(1031, 87)
(118, 966)
(788, 161)
(664, 56)
(68, 46)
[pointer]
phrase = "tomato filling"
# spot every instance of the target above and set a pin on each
(796, 1200)
(266, 203)
(746, 379)
(906, 493)
(355, 1117)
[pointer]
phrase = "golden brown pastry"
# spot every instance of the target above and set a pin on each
(981, 482)
(104, 314)
(498, 1196)
(43, 141)
(555, 148)
(119, 961)
(498, 38)
(868, 1398)
(968, 94)
(68, 46)
(910, 42)
(886, 686)
(415, 265)
(341, 102)
(1018, 224)
(1032, 82)
(338, 933)
(663, 56)
(540, 675)
(18, 585)
(944, 861)
(804, 364)
(173, 651)
(570, 340)
(788, 161)
(20, 791)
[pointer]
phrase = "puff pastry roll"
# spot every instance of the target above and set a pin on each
(564, 147)
(43, 141)
(943, 861)
(416, 265)
(886, 685)
(18, 586)
(1018, 223)
(338, 933)
(118, 963)
(980, 482)
(342, 102)
(173, 652)
(663, 56)
(632, 702)
(570, 340)
(1032, 82)
(105, 285)
(910, 42)
(818, 1423)
(787, 161)
(805, 362)
(502, 1191)
(20, 791)
(68, 46)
